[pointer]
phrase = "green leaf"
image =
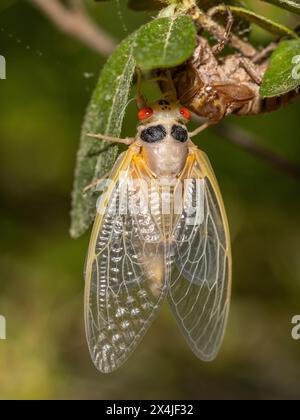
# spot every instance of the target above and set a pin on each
(269, 25)
(291, 5)
(283, 74)
(165, 42)
(105, 115)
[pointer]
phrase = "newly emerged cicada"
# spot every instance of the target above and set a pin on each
(161, 231)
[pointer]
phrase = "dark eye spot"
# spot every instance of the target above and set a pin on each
(179, 133)
(154, 134)
(164, 103)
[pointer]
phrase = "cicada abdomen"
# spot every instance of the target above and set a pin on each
(277, 102)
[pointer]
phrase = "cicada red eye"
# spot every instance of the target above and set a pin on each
(145, 113)
(186, 113)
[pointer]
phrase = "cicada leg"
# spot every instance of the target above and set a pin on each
(95, 183)
(219, 31)
(127, 141)
(217, 49)
(200, 129)
(251, 70)
(265, 53)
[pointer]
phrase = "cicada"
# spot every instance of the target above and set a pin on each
(161, 231)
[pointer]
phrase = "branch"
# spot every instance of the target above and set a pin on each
(241, 138)
(75, 22)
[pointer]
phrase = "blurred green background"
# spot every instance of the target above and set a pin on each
(45, 355)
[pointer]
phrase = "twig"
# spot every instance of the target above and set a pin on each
(74, 21)
(247, 141)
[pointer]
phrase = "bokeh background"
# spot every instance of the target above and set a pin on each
(50, 78)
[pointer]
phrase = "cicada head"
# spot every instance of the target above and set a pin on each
(164, 111)
(164, 137)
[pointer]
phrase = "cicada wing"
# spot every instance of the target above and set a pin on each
(125, 275)
(200, 286)
(235, 92)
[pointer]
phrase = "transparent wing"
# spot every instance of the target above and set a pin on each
(125, 275)
(200, 287)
